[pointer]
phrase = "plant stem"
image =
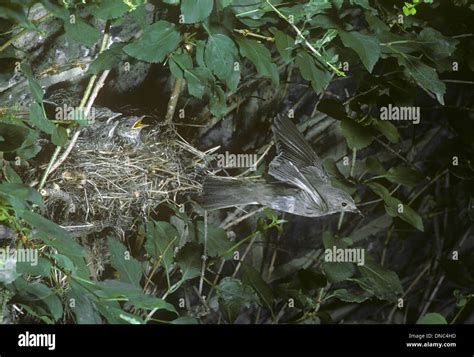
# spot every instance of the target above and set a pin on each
(306, 42)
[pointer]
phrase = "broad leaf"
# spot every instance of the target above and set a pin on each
(155, 43)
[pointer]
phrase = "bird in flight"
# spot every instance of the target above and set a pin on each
(302, 188)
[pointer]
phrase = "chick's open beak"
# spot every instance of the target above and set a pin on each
(138, 124)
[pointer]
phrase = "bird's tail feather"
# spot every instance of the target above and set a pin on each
(223, 193)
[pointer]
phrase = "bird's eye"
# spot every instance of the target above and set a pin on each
(103, 136)
(344, 204)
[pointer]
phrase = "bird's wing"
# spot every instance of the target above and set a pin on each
(292, 146)
(284, 170)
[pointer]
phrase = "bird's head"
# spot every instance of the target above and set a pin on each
(340, 201)
(130, 128)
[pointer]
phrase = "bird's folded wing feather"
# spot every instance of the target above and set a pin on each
(287, 172)
(292, 146)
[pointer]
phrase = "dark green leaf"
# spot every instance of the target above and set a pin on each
(129, 268)
(233, 295)
(432, 318)
(219, 57)
(196, 11)
(284, 44)
(35, 88)
(217, 241)
(189, 260)
(11, 136)
(382, 283)
(253, 278)
(82, 32)
(366, 46)
(387, 129)
(403, 175)
(426, 76)
(108, 9)
(260, 56)
(345, 295)
(357, 135)
(311, 71)
(59, 136)
(155, 43)
(107, 59)
(38, 119)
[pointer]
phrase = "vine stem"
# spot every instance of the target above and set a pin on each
(53, 164)
(173, 101)
(204, 255)
(306, 42)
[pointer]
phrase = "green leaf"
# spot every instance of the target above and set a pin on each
(11, 175)
(387, 129)
(53, 235)
(196, 11)
(129, 268)
(108, 9)
(41, 267)
(162, 238)
(382, 283)
(155, 43)
(374, 226)
(260, 56)
(435, 45)
(393, 206)
(311, 71)
(59, 136)
(180, 63)
(253, 278)
(426, 76)
(284, 44)
(233, 295)
(374, 166)
(148, 302)
(35, 89)
(218, 102)
(335, 271)
(198, 81)
(12, 136)
(403, 175)
(82, 32)
(107, 59)
(366, 46)
(189, 260)
(41, 295)
(357, 135)
(219, 57)
(217, 241)
(18, 195)
(38, 119)
(84, 307)
(222, 4)
(432, 318)
(346, 296)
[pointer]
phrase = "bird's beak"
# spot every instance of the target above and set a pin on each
(358, 212)
(138, 124)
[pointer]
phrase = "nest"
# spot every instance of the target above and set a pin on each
(95, 189)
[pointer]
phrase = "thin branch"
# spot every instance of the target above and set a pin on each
(175, 93)
(204, 255)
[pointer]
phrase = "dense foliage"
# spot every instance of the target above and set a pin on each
(334, 63)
